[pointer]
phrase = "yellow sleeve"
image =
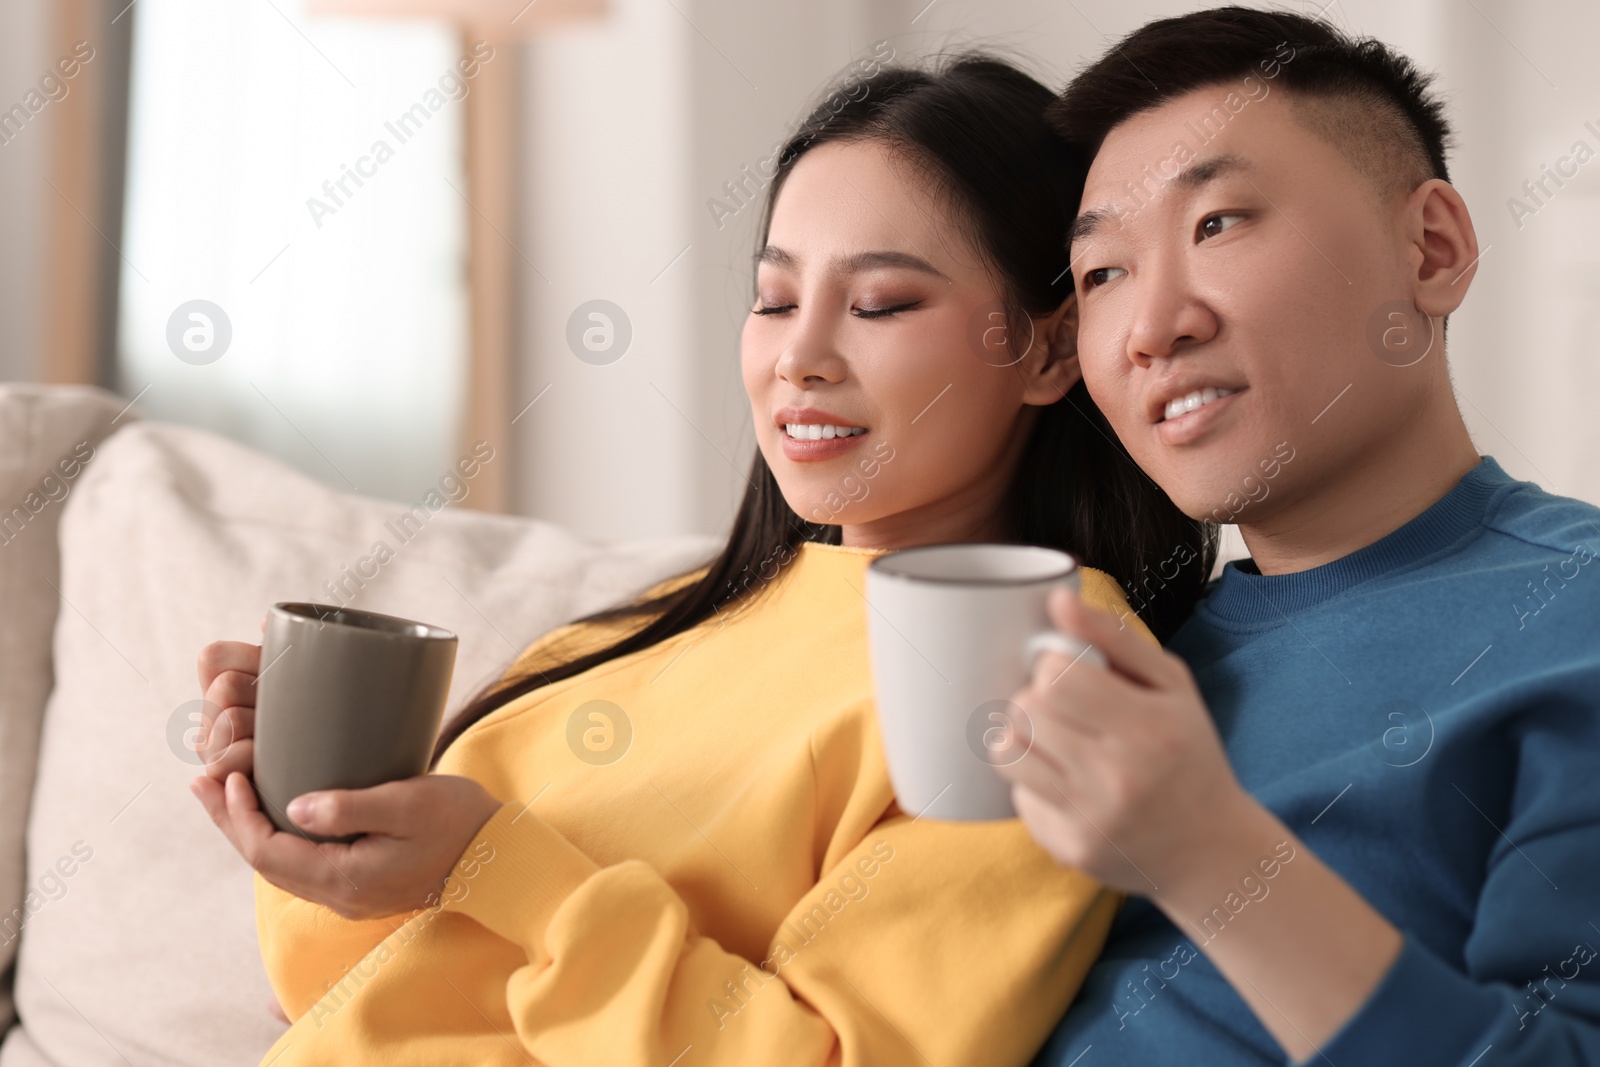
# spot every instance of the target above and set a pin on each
(937, 943)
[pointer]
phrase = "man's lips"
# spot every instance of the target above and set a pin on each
(1175, 399)
(1194, 422)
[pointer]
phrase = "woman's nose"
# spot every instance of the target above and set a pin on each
(811, 354)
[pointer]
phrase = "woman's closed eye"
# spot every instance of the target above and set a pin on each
(881, 311)
(860, 313)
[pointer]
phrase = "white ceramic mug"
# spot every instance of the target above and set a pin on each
(953, 630)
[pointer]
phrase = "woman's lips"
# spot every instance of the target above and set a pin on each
(807, 451)
(1192, 425)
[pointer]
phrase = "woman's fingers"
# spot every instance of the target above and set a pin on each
(391, 808)
(290, 861)
(229, 720)
(228, 672)
(212, 795)
(239, 756)
(221, 656)
(223, 730)
(232, 687)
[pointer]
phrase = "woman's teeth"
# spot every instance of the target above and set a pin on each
(1197, 399)
(814, 432)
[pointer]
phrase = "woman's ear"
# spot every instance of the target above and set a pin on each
(1051, 369)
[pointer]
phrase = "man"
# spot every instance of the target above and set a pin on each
(1357, 802)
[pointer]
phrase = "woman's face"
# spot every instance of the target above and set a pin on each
(885, 395)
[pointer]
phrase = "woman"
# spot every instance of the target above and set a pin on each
(738, 884)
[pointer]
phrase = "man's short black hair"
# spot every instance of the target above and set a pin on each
(1366, 99)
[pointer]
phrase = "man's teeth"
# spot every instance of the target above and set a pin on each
(1197, 399)
(811, 431)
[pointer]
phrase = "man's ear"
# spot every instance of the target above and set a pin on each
(1051, 368)
(1445, 246)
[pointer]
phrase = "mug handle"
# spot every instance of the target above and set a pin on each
(1056, 641)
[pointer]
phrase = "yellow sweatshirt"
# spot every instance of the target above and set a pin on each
(700, 861)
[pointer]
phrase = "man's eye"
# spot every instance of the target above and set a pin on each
(1099, 276)
(763, 309)
(1212, 225)
(878, 313)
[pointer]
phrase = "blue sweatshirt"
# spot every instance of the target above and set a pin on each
(1424, 714)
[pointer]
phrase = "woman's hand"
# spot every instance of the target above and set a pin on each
(228, 672)
(416, 829)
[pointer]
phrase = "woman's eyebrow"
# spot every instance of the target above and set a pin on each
(854, 263)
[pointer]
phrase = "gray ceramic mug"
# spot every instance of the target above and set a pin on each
(345, 699)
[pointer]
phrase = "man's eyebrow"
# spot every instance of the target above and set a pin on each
(1089, 223)
(854, 263)
(1188, 179)
(1209, 170)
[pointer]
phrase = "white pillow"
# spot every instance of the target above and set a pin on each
(174, 538)
(47, 433)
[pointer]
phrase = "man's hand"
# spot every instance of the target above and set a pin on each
(1126, 778)
(1128, 781)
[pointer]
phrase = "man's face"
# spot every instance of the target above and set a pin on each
(1226, 315)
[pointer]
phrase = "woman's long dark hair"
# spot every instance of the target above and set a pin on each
(976, 126)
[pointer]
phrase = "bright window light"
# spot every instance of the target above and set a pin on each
(294, 271)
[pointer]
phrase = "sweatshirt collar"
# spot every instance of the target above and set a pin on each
(1244, 597)
(818, 548)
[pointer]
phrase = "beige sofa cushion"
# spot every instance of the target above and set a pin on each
(174, 538)
(47, 436)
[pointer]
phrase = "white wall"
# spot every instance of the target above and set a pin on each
(633, 125)
(605, 177)
(1523, 83)
(638, 123)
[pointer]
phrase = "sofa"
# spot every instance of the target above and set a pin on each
(127, 922)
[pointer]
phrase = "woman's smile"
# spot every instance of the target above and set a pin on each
(811, 434)
(822, 446)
